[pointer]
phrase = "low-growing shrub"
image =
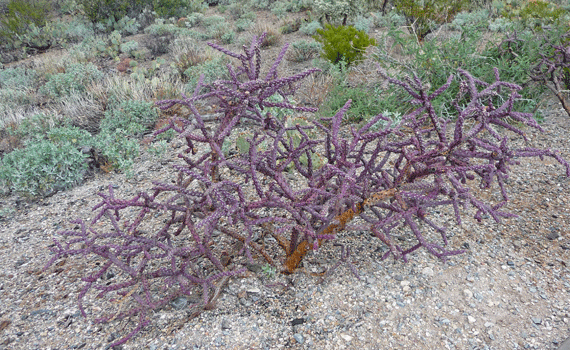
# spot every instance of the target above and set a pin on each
(303, 50)
(21, 17)
(75, 80)
(134, 117)
(212, 69)
(103, 10)
(129, 47)
(425, 16)
(42, 168)
(244, 24)
(178, 8)
(338, 11)
(343, 43)
(310, 28)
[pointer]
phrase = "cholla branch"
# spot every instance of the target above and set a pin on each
(188, 237)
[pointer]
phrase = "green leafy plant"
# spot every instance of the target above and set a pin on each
(423, 16)
(75, 80)
(42, 168)
(303, 50)
(22, 16)
(343, 43)
(365, 103)
(533, 14)
(135, 117)
(335, 10)
(178, 8)
(310, 28)
(102, 10)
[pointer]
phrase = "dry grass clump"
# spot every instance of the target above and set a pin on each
(187, 53)
(273, 37)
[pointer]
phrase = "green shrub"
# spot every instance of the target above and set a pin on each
(533, 14)
(42, 168)
(129, 47)
(75, 80)
(178, 8)
(363, 23)
(335, 10)
(102, 10)
(194, 19)
(310, 28)
(365, 103)
(23, 16)
(244, 24)
(229, 37)
(213, 69)
(18, 78)
(134, 117)
(77, 30)
(303, 50)
(426, 15)
(343, 43)
(118, 149)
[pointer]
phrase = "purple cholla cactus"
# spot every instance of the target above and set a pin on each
(190, 236)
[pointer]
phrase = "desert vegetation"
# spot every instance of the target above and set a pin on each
(289, 132)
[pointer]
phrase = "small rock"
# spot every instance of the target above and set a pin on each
(536, 320)
(179, 303)
(254, 290)
(226, 324)
(468, 293)
(427, 271)
(489, 324)
(471, 319)
(553, 235)
(298, 338)
(405, 283)
(510, 263)
(297, 321)
(346, 337)
(398, 278)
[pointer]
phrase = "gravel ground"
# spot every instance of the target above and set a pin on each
(510, 290)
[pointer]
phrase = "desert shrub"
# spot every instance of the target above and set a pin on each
(21, 16)
(365, 103)
(391, 19)
(244, 24)
(18, 78)
(310, 28)
(532, 13)
(78, 30)
(478, 20)
(303, 50)
(393, 180)
(42, 168)
(186, 53)
(212, 69)
(553, 69)
(343, 43)
(228, 37)
(272, 35)
(425, 16)
(501, 24)
(178, 8)
(74, 80)
(337, 11)
(134, 117)
(129, 47)
(103, 10)
(194, 19)
(362, 23)
(118, 150)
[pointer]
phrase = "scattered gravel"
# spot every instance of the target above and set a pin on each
(510, 290)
